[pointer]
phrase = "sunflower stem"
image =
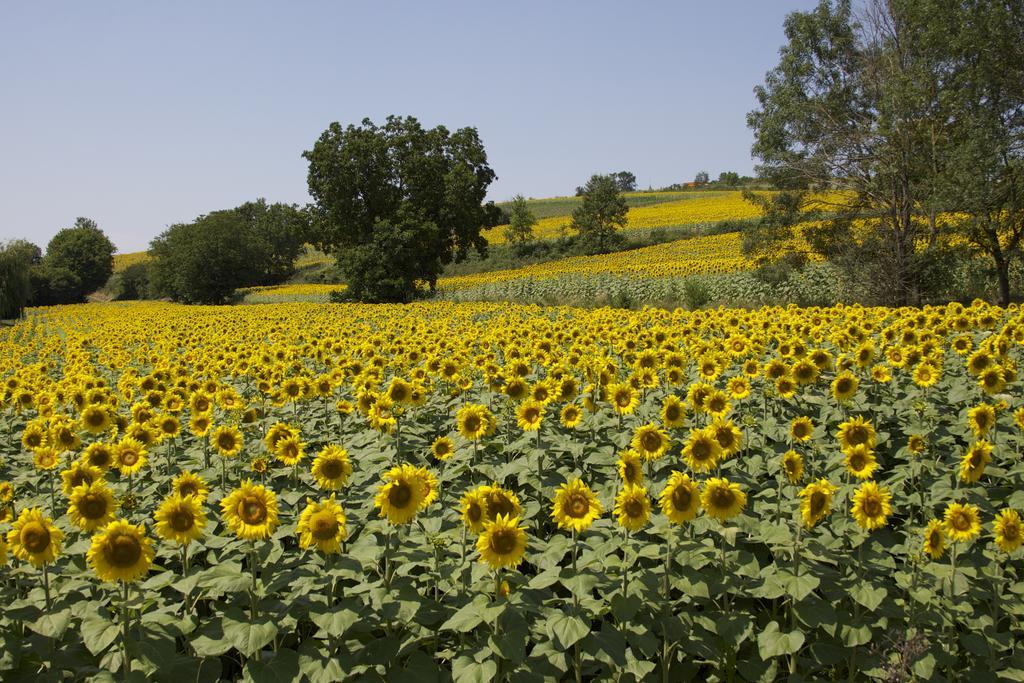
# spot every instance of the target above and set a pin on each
(462, 563)
(126, 662)
(46, 586)
(253, 606)
(625, 563)
(53, 498)
(952, 571)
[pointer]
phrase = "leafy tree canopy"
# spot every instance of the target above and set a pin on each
(418, 190)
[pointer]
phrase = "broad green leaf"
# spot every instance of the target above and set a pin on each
(566, 630)
(771, 642)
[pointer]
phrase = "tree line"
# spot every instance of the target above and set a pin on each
(913, 111)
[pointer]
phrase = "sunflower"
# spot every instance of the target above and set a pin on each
(200, 424)
(816, 501)
(571, 416)
(575, 506)
(34, 539)
(6, 492)
(722, 499)
(332, 468)
(228, 441)
(728, 436)
(793, 466)
(1009, 530)
(881, 373)
(856, 431)
(860, 461)
(961, 521)
(624, 398)
(429, 484)
(650, 441)
(34, 436)
(250, 511)
(973, 463)
(130, 456)
(95, 419)
(630, 467)
(188, 484)
(442, 448)
(78, 474)
(401, 495)
(632, 507)
(739, 387)
(529, 415)
(925, 375)
(501, 501)
(474, 509)
(475, 421)
(917, 444)
(844, 386)
(169, 426)
(277, 432)
(871, 505)
(801, 429)
(98, 455)
(680, 499)
(180, 519)
(993, 380)
(121, 552)
(290, 450)
(502, 543)
(322, 526)
(45, 459)
(981, 419)
(934, 544)
(717, 403)
(702, 451)
(91, 506)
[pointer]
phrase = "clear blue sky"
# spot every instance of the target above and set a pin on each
(144, 114)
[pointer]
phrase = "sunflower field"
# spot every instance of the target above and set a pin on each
(478, 492)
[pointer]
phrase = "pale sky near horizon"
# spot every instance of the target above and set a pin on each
(141, 115)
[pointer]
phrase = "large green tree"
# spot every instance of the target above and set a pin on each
(205, 261)
(600, 215)
(520, 221)
(85, 251)
(16, 260)
(396, 203)
(980, 44)
(853, 106)
(280, 230)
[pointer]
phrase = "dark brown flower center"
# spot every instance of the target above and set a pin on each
(181, 520)
(633, 508)
(324, 526)
(123, 551)
(682, 498)
(252, 510)
(331, 468)
(577, 506)
(92, 506)
(503, 542)
(400, 495)
(35, 537)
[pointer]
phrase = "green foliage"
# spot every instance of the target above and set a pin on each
(52, 285)
(600, 215)
(83, 251)
(409, 183)
(520, 221)
(279, 231)
(16, 259)
(205, 261)
(130, 284)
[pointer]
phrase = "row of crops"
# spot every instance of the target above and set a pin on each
(496, 492)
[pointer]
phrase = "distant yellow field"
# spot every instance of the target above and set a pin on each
(122, 261)
(692, 209)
